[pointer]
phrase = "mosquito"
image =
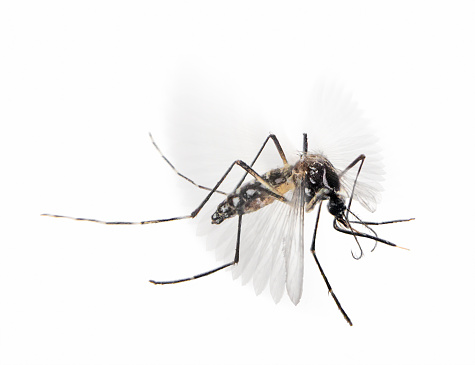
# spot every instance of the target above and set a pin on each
(293, 190)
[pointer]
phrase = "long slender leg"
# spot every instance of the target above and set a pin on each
(367, 224)
(238, 241)
(118, 222)
(351, 165)
(380, 223)
(368, 227)
(178, 173)
(354, 232)
(248, 170)
(271, 136)
(330, 290)
(358, 159)
(234, 262)
(277, 146)
(193, 214)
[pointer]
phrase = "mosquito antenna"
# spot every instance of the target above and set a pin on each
(305, 143)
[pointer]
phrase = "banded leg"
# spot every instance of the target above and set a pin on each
(381, 223)
(250, 171)
(361, 158)
(344, 219)
(193, 214)
(358, 159)
(234, 262)
(271, 136)
(177, 172)
(367, 224)
(277, 146)
(330, 290)
(357, 233)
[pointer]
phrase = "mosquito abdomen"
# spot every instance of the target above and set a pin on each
(253, 196)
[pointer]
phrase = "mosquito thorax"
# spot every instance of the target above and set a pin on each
(321, 178)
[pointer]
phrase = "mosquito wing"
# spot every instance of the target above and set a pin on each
(205, 138)
(368, 195)
(294, 243)
(271, 246)
(210, 126)
(337, 128)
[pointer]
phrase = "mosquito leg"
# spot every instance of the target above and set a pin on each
(347, 224)
(359, 221)
(178, 173)
(271, 136)
(234, 262)
(354, 232)
(117, 223)
(197, 210)
(330, 290)
(380, 223)
(368, 224)
(358, 159)
(360, 255)
(248, 170)
(277, 146)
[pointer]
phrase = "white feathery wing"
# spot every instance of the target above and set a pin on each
(271, 245)
(294, 244)
(339, 131)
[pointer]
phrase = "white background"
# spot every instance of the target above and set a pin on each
(82, 83)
